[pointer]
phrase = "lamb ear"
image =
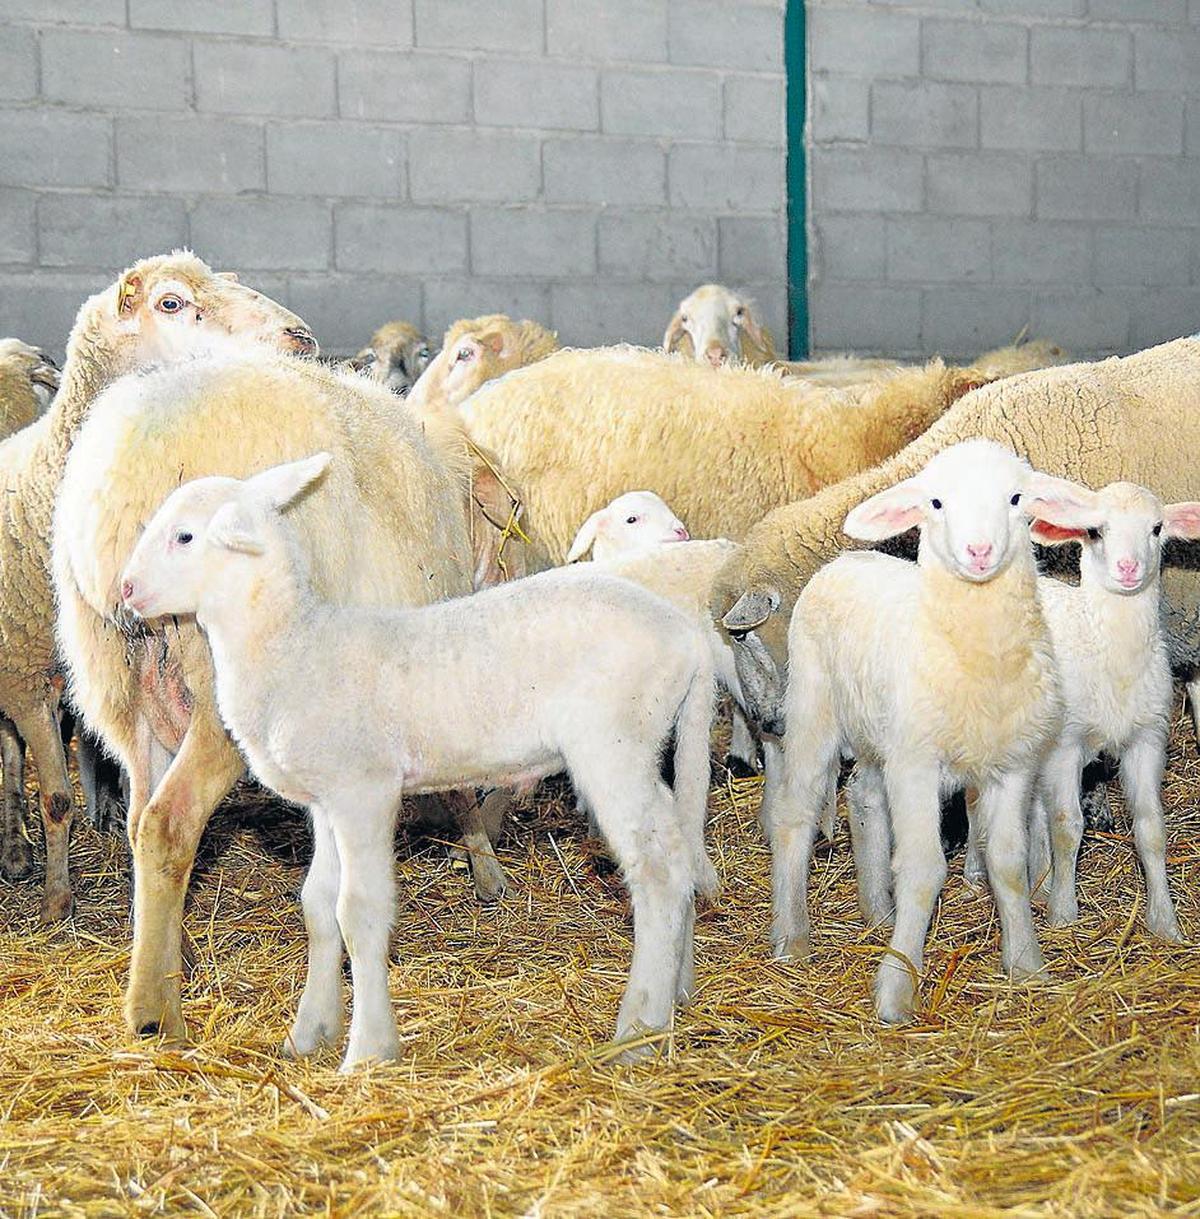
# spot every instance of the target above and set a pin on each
(586, 536)
(1046, 534)
(233, 528)
(674, 332)
(1062, 505)
(280, 485)
(1182, 520)
(887, 514)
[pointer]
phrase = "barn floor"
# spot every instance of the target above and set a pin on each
(1080, 1096)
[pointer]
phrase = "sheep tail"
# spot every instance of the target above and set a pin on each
(693, 724)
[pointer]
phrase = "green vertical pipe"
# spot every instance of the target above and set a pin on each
(797, 183)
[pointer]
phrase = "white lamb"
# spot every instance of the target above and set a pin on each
(634, 523)
(1116, 684)
(932, 675)
(422, 700)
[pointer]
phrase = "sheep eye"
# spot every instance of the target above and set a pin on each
(1157, 530)
(935, 503)
(1094, 534)
(1016, 499)
(739, 312)
(170, 304)
(685, 319)
(183, 537)
(423, 354)
(464, 354)
(631, 520)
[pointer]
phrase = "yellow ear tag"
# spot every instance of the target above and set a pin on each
(126, 293)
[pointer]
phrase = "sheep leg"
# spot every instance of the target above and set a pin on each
(637, 817)
(919, 871)
(319, 1015)
(742, 759)
(363, 826)
(164, 834)
(486, 873)
(1142, 766)
(1041, 862)
(1060, 789)
(772, 777)
(16, 854)
(974, 863)
(102, 783)
(1004, 802)
(41, 733)
(871, 842)
(1193, 698)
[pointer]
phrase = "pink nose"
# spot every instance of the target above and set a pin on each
(681, 533)
(1128, 567)
(980, 551)
(715, 356)
(127, 590)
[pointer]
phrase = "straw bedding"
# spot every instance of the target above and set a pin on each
(1080, 1096)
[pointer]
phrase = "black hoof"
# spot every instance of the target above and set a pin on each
(149, 1030)
(739, 768)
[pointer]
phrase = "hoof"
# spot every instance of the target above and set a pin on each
(795, 948)
(56, 907)
(155, 1019)
(878, 916)
(488, 878)
(1028, 967)
(300, 1043)
(16, 860)
(1168, 932)
(150, 1029)
(1062, 914)
(389, 1051)
(644, 1049)
(739, 768)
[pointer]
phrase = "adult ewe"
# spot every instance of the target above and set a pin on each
(385, 528)
(723, 446)
(1132, 419)
(161, 309)
(716, 324)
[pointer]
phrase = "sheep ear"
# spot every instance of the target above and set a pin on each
(674, 332)
(281, 485)
(232, 276)
(585, 537)
(1046, 534)
(759, 335)
(1057, 504)
(129, 293)
(1182, 520)
(233, 528)
(493, 340)
(887, 514)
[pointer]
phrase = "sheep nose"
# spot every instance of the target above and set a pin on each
(715, 355)
(681, 533)
(980, 551)
(1128, 567)
(126, 590)
(301, 340)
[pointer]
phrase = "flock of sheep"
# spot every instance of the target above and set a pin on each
(218, 550)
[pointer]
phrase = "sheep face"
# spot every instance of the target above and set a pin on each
(1122, 536)
(174, 306)
(460, 368)
(205, 533)
(397, 356)
(971, 504)
(712, 320)
(634, 523)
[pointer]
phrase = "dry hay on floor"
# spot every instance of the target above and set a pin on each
(782, 1096)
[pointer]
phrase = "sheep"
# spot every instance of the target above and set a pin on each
(1116, 683)
(933, 675)
(1134, 418)
(397, 355)
(475, 350)
(28, 382)
(718, 325)
(722, 446)
(617, 670)
(385, 527)
(635, 523)
(161, 309)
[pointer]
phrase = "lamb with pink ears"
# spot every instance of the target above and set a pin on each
(934, 676)
(1116, 686)
(438, 698)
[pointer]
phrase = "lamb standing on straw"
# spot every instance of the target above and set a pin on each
(440, 701)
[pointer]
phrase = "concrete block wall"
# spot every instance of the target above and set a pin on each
(582, 162)
(977, 166)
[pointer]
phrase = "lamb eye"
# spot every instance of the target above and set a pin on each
(183, 537)
(935, 503)
(1094, 534)
(170, 304)
(1157, 530)
(1016, 499)
(631, 520)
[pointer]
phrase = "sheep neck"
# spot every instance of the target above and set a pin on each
(1127, 623)
(91, 365)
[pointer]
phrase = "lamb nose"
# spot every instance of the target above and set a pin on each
(979, 550)
(1127, 567)
(126, 590)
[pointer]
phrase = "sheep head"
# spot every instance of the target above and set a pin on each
(28, 382)
(397, 355)
(718, 325)
(173, 306)
(475, 351)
